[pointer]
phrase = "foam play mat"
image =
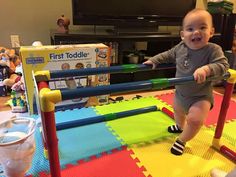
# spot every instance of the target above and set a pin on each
(134, 146)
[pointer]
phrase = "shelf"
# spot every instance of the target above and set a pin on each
(157, 42)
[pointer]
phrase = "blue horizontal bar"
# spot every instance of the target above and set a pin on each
(106, 117)
(105, 89)
(129, 86)
(102, 70)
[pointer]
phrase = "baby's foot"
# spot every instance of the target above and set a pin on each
(174, 129)
(178, 147)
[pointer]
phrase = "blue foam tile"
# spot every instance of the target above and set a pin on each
(39, 162)
(75, 114)
(82, 142)
(75, 143)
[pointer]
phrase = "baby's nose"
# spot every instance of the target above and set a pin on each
(197, 31)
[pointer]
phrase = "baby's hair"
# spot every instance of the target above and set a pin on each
(197, 10)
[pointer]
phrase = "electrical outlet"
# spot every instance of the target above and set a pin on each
(15, 41)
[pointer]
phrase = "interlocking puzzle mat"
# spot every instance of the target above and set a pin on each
(76, 143)
(214, 113)
(154, 153)
(198, 159)
(148, 145)
(139, 128)
(117, 163)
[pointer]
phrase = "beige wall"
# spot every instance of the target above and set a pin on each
(30, 19)
(33, 19)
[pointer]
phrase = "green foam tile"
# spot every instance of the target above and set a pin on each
(142, 128)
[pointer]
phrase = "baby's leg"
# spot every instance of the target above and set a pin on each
(194, 121)
(179, 116)
(198, 112)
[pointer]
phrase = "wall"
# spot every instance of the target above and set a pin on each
(32, 20)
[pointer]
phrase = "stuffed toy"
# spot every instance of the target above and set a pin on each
(5, 55)
(10, 59)
(63, 24)
(15, 62)
(19, 85)
(13, 79)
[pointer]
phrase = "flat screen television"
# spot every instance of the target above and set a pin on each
(130, 13)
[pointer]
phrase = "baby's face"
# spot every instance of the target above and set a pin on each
(197, 30)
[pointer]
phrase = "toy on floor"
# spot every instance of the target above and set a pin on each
(10, 73)
(5, 56)
(8, 57)
(15, 73)
(48, 98)
(16, 83)
(18, 102)
(18, 97)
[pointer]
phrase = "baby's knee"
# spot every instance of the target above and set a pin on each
(194, 121)
(179, 111)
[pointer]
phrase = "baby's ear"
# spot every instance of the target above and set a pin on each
(212, 31)
(182, 35)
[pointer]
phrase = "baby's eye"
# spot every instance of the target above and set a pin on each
(189, 29)
(203, 28)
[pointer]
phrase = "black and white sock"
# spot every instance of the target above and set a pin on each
(178, 147)
(174, 129)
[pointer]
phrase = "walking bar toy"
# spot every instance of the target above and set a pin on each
(222, 117)
(48, 98)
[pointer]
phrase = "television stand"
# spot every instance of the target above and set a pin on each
(143, 33)
(136, 31)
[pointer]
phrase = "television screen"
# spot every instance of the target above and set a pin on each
(130, 12)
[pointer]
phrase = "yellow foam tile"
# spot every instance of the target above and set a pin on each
(198, 159)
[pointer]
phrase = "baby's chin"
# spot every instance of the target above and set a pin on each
(195, 45)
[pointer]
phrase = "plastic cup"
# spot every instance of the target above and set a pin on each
(17, 145)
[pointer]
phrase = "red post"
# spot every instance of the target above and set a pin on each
(223, 110)
(50, 136)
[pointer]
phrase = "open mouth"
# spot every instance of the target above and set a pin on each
(196, 39)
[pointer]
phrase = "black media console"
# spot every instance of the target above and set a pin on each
(157, 41)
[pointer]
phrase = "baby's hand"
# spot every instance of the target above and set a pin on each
(201, 73)
(149, 62)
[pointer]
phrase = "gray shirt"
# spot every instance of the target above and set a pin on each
(231, 59)
(188, 60)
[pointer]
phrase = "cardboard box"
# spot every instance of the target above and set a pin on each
(66, 57)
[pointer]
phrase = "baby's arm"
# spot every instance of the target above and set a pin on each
(150, 62)
(164, 57)
(218, 65)
(201, 74)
